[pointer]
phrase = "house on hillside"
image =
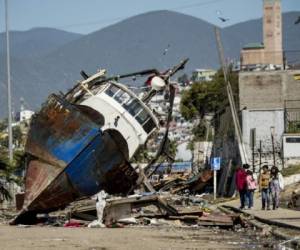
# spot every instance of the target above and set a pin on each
(203, 75)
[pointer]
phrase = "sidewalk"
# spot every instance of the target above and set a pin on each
(282, 216)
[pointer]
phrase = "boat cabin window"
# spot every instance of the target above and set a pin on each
(118, 94)
(133, 106)
(122, 97)
(149, 125)
(146, 121)
(142, 117)
(112, 90)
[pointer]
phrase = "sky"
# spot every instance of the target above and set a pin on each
(86, 16)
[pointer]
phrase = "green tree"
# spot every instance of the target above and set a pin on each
(207, 97)
(172, 148)
(3, 125)
(17, 137)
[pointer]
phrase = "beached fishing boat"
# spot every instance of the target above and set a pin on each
(82, 142)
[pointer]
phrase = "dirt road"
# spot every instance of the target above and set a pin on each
(13, 237)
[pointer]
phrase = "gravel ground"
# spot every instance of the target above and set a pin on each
(133, 238)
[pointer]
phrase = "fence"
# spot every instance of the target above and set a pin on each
(292, 116)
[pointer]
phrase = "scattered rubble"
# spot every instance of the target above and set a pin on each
(145, 209)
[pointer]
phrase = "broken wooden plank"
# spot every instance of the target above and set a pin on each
(183, 217)
(217, 219)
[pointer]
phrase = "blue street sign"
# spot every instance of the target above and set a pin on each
(216, 163)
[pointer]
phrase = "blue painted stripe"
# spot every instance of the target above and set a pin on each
(67, 150)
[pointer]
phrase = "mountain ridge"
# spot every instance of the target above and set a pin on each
(135, 43)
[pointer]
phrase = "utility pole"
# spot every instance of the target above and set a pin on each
(236, 122)
(253, 142)
(260, 152)
(272, 129)
(10, 142)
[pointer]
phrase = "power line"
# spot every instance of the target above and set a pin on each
(196, 5)
(115, 19)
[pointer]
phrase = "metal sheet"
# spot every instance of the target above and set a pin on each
(38, 177)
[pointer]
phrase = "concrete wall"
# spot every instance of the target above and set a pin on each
(268, 89)
(262, 120)
(262, 100)
(261, 57)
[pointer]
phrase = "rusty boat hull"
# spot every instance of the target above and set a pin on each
(69, 157)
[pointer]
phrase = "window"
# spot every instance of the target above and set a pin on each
(142, 117)
(149, 126)
(292, 140)
(122, 97)
(133, 106)
(112, 90)
(118, 94)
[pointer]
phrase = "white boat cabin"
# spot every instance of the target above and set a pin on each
(122, 111)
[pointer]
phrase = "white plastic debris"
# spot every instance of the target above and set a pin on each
(100, 205)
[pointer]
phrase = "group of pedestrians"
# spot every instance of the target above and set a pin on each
(270, 183)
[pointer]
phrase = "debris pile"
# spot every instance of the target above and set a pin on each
(147, 209)
(178, 184)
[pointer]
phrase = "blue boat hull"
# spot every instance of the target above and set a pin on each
(69, 157)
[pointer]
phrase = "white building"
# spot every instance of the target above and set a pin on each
(203, 75)
(25, 115)
(180, 130)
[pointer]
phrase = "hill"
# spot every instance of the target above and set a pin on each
(36, 42)
(133, 44)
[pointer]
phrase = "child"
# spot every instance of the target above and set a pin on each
(264, 188)
(276, 185)
(251, 186)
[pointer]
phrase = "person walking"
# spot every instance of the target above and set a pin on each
(240, 182)
(264, 187)
(251, 187)
(276, 185)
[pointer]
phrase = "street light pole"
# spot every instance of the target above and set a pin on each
(10, 142)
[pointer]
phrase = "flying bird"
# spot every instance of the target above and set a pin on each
(221, 17)
(166, 50)
(298, 20)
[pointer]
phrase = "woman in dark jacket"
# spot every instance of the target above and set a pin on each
(241, 184)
